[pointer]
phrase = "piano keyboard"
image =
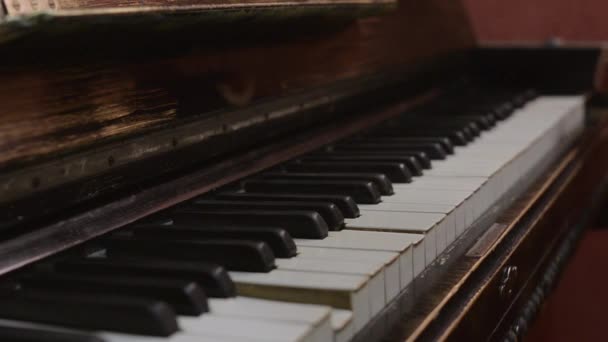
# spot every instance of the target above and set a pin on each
(312, 250)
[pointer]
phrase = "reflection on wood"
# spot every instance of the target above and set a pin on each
(87, 7)
(49, 110)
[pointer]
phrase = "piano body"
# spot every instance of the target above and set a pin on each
(285, 171)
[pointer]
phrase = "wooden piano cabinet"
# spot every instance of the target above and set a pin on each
(576, 309)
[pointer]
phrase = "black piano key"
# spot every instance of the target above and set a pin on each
(503, 110)
(447, 121)
(433, 150)
(345, 203)
(519, 100)
(445, 142)
(31, 334)
(328, 210)
(186, 297)
(211, 277)
(420, 156)
(237, 255)
(386, 148)
(304, 224)
(379, 179)
(361, 191)
(451, 131)
(395, 172)
(278, 239)
(529, 94)
(457, 137)
(416, 169)
(483, 121)
(83, 311)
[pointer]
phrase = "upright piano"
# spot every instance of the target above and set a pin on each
(314, 170)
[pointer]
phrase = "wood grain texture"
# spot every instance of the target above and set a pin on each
(50, 109)
(95, 7)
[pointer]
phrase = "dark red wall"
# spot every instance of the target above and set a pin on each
(538, 20)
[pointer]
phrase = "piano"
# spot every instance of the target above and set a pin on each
(337, 170)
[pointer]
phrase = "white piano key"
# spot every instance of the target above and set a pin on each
(389, 259)
(341, 323)
(106, 336)
(448, 183)
(407, 245)
(454, 217)
(255, 308)
(409, 222)
(206, 326)
(457, 198)
(178, 337)
(373, 270)
(344, 291)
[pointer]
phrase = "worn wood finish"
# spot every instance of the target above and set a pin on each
(55, 108)
(109, 7)
(58, 109)
(57, 236)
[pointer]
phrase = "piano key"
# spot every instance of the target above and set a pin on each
(410, 248)
(178, 337)
(252, 330)
(389, 259)
(434, 150)
(298, 223)
(312, 323)
(429, 224)
(115, 313)
(380, 180)
(447, 127)
(186, 297)
(217, 334)
(360, 191)
(342, 326)
(255, 308)
(249, 256)
(371, 269)
(317, 317)
(421, 157)
(328, 210)
(484, 121)
(345, 203)
(445, 142)
(458, 138)
(453, 224)
(278, 239)
(395, 172)
(212, 278)
(343, 291)
(456, 198)
(410, 161)
(448, 183)
(28, 334)
(447, 121)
